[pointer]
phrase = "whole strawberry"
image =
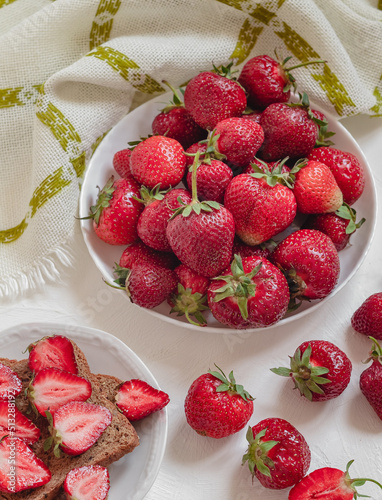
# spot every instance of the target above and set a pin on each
(238, 139)
(201, 234)
(289, 130)
(176, 122)
(158, 160)
(191, 295)
(215, 406)
(261, 204)
(328, 483)
(253, 293)
(309, 277)
(339, 226)
(267, 81)
(121, 162)
(139, 251)
(211, 97)
(367, 319)
(152, 222)
(116, 212)
(346, 168)
(278, 454)
(213, 177)
(370, 381)
(316, 189)
(319, 370)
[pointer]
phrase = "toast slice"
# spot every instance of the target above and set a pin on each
(117, 440)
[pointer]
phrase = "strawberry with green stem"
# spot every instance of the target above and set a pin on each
(370, 381)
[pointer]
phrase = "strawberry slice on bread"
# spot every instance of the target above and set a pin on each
(87, 483)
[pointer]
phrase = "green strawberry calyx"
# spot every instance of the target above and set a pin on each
(176, 101)
(54, 439)
(360, 481)
(276, 175)
(150, 195)
(238, 285)
(291, 81)
(307, 377)
(348, 213)
(189, 304)
(229, 384)
(257, 453)
(375, 352)
(104, 198)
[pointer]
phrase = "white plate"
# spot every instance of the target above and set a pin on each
(132, 476)
(138, 124)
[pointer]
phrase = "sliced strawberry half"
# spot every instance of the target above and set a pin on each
(13, 422)
(52, 352)
(76, 426)
(20, 468)
(137, 399)
(10, 384)
(52, 388)
(90, 482)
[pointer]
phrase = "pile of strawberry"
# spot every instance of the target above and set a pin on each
(199, 203)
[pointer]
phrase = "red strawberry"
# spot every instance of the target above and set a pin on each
(121, 163)
(158, 160)
(20, 468)
(328, 484)
(370, 381)
(137, 399)
(309, 277)
(238, 139)
(215, 406)
(212, 177)
(10, 384)
(191, 295)
(289, 130)
(146, 283)
(116, 212)
(90, 482)
(267, 81)
(51, 388)
(261, 205)
(139, 251)
(346, 169)
(253, 293)
(176, 122)
(316, 189)
(52, 352)
(153, 220)
(319, 370)
(201, 233)
(13, 422)
(367, 319)
(245, 250)
(339, 226)
(76, 426)
(278, 454)
(211, 97)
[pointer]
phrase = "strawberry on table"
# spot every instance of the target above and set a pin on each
(90, 482)
(158, 160)
(211, 97)
(309, 277)
(278, 454)
(76, 426)
(51, 388)
(12, 421)
(216, 406)
(137, 399)
(370, 381)
(31, 471)
(319, 370)
(253, 293)
(10, 383)
(316, 189)
(139, 251)
(55, 351)
(346, 169)
(329, 483)
(115, 214)
(367, 319)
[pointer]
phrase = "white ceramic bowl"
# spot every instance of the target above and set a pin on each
(138, 124)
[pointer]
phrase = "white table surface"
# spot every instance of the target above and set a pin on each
(199, 468)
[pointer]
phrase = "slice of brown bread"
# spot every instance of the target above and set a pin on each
(117, 440)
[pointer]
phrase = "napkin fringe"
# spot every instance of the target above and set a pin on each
(44, 270)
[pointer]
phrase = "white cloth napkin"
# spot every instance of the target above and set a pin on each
(71, 69)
